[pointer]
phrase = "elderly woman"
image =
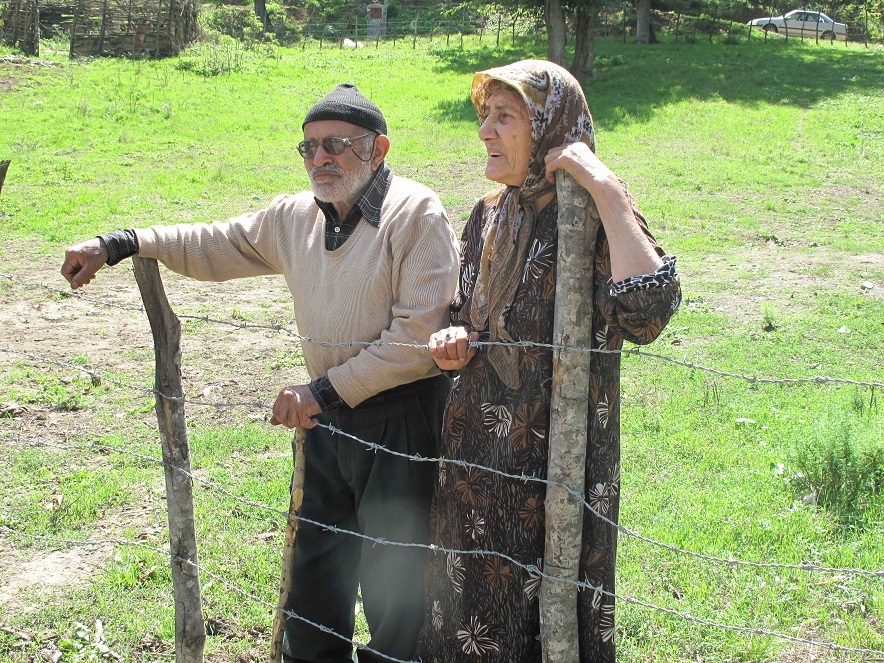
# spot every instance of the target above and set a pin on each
(535, 121)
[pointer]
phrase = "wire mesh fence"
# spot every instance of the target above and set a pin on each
(163, 27)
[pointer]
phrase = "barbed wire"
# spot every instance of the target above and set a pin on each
(635, 351)
(519, 477)
(625, 530)
(100, 378)
(202, 569)
(376, 447)
(530, 568)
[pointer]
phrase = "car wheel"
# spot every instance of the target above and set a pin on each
(828, 34)
(771, 27)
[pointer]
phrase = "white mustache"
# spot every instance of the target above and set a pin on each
(330, 168)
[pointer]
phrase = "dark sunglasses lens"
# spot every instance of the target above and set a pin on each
(307, 149)
(334, 145)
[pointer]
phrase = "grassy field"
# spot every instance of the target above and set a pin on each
(758, 165)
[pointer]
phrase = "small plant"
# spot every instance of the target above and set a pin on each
(842, 467)
(239, 314)
(81, 645)
(769, 317)
(214, 59)
(288, 359)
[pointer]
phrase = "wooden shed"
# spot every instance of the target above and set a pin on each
(117, 27)
(20, 25)
(156, 28)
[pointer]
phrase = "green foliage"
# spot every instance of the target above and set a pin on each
(288, 359)
(865, 19)
(233, 21)
(841, 465)
(68, 394)
(224, 55)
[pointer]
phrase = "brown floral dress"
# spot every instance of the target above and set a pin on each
(481, 607)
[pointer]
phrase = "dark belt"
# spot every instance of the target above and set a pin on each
(426, 384)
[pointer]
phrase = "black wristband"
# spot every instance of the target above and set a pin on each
(120, 244)
(325, 393)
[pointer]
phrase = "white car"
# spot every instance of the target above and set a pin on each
(802, 23)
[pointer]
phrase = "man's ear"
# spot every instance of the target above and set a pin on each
(381, 147)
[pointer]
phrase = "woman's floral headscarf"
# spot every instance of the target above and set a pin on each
(559, 114)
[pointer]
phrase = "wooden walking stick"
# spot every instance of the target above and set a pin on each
(288, 551)
(578, 229)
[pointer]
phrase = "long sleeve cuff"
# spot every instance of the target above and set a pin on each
(663, 275)
(325, 394)
(120, 244)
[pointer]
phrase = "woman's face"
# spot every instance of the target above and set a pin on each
(506, 132)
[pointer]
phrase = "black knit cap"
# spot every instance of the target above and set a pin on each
(347, 104)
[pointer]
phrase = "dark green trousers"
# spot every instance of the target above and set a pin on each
(383, 496)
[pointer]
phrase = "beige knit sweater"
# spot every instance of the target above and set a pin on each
(393, 283)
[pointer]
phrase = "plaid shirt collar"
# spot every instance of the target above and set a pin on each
(370, 201)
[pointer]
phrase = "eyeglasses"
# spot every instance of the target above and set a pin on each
(332, 145)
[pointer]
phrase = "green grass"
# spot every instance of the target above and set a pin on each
(758, 165)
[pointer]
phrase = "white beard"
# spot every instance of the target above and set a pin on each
(346, 188)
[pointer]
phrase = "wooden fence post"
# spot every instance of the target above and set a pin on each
(190, 629)
(288, 551)
(578, 229)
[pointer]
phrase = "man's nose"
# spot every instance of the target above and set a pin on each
(321, 157)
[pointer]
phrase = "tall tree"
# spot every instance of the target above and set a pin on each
(585, 28)
(261, 13)
(554, 16)
(585, 21)
(643, 22)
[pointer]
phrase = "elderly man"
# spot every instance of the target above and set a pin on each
(367, 257)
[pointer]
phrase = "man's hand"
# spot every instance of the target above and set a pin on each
(449, 348)
(82, 261)
(294, 406)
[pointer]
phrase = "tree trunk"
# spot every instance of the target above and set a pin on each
(584, 50)
(554, 17)
(643, 22)
(261, 13)
(578, 229)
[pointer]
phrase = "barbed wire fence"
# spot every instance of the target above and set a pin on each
(727, 562)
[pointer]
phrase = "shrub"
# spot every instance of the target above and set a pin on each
(842, 466)
(237, 22)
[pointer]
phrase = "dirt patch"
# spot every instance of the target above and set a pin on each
(105, 333)
(8, 82)
(788, 279)
(56, 571)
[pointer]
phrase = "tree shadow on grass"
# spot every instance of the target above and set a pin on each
(631, 82)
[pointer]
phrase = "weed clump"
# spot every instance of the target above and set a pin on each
(841, 468)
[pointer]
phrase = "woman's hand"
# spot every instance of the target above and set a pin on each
(583, 165)
(632, 253)
(449, 348)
